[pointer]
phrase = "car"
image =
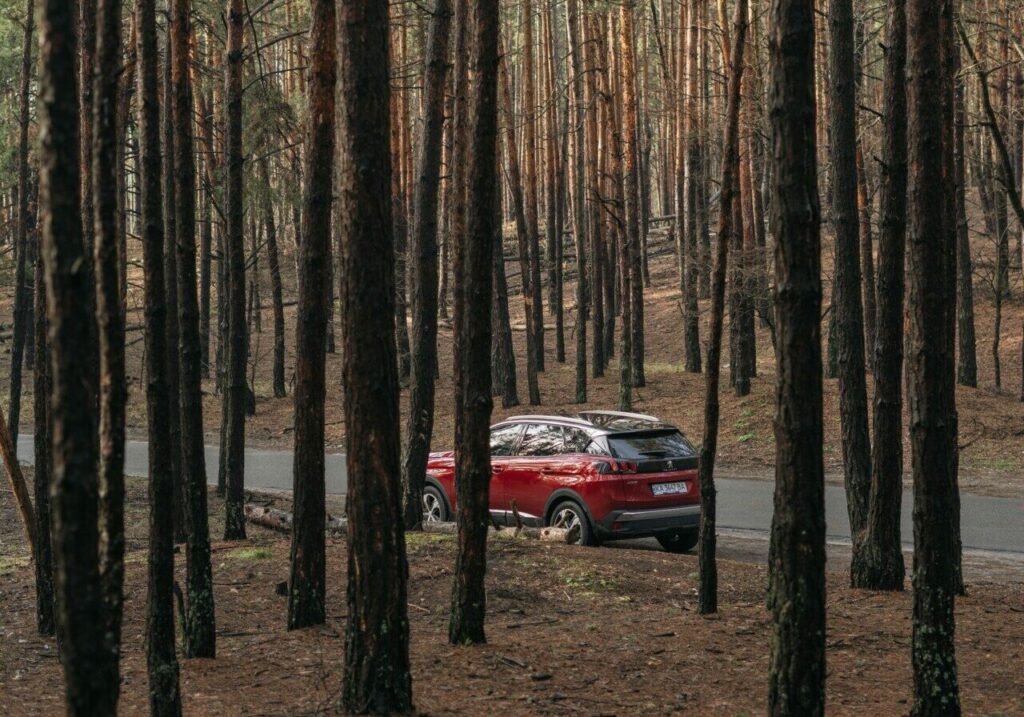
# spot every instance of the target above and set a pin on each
(615, 475)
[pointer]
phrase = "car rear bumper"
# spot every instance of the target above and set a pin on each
(645, 523)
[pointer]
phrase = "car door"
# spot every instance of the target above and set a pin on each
(525, 478)
(504, 441)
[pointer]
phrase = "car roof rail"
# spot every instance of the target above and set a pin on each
(540, 418)
(621, 414)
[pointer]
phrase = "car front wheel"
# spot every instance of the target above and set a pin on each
(569, 514)
(680, 541)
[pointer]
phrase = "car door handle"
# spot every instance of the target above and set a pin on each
(497, 469)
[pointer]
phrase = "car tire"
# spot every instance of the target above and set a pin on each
(435, 508)
(569, 513)
(679, 541)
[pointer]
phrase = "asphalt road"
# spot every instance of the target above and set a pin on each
(988, 524)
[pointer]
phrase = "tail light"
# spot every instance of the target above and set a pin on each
(616, 468)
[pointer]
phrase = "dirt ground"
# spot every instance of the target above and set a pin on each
(588, 631)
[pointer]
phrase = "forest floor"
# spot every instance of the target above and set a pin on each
(991, 421)
(587, 631)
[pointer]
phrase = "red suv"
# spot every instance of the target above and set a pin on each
(616, 475)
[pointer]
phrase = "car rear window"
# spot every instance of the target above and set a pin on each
(651, 444)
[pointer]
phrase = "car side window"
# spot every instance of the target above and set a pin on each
(576, 441)
(541, 440)
(503, 440)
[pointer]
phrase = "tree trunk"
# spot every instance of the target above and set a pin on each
(41, 471)
(633, 174)
(579, 201)
(161, 660)
(473, 327)
(503, 358)
(307, 581)
(423, 251)
(693, 170)
(171, 290)
(967, 368)
(522, 232)
(199, 628)
(236, 390)
(376, 672)
(24, 244)
(846, 290)
(529, 104)
(90, 670)
(796, 593)
(276, 290)
(708, 569)
(878, 565)
(109, 318)
(932, 400)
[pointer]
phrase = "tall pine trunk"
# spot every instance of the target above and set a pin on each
(423, 253)
(200, 627)
(376, 672)
(878, 564)
(236, 391)
(473, 267)
(90, 669)
(109, 317)
(307, 583)
(796, 592)
(846, 288)
(161, 660)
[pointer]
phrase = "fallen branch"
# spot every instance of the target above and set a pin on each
(281, 521)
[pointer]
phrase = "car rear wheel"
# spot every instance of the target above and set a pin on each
(569, 514)
(680, 541)
(435, 510)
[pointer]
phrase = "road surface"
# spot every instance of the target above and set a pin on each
(987, 524)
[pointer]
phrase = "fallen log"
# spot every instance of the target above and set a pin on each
(282, 521)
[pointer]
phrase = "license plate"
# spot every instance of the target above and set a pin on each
(668, 488)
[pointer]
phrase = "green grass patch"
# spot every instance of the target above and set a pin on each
(417, 538)
(588, 583)
(250, 553)
(10, 563)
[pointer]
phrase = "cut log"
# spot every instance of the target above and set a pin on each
(17, 479)
(281, 521)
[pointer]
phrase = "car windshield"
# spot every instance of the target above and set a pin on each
(651, 444)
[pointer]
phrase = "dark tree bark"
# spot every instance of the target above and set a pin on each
(967, 366)
(86, 69)
(846, 288)
(579, 227)
(796, 593)
(161, 660)
(90, 669)
(24, 243)
(632, 171)
(689, 209)
(307, 584)
(708, 591)
(522, 234)
(200, 627)
(878, 564)
(109, 317)
(376, 673)
(276, 290)
(423, 252)
(236, 392)
(41, 473)
(473, 324)
(936, 690)
(503, 358)
(528, 81)
(171, 290)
